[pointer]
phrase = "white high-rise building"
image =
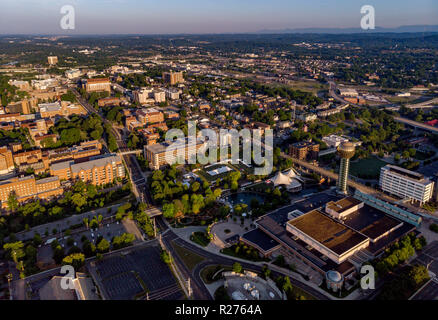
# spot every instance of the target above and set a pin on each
(405, 183)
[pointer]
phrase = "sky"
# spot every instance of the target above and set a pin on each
(206, 16)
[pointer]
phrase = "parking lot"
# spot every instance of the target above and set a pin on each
(130, 274)
(429, 257)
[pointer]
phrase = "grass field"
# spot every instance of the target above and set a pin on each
(189, 258)
(368, 168)
(200, 238)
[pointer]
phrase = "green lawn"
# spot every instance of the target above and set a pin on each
(368, 168)
(200, 238)
(189, 258)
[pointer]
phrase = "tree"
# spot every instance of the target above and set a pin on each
(168, 210)
(79, 200)
(75, 259)
(15, 250)
(237, 267)
(103, 246)
(419, 275)
(165, 257)
(13, 201)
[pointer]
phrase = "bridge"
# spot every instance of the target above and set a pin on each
(424, 104)
(416, 124)
(130, 152)
(334, 176)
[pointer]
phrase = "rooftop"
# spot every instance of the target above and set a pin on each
(260, 239)
(412, 175)
(328, 232)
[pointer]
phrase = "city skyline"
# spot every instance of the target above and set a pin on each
(208, 17)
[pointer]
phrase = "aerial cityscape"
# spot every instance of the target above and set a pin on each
(222, 162)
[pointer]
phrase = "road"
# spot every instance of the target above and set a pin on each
(137, 179)
(328, 174)
(199, 289)
(334, 95)
(416, 124)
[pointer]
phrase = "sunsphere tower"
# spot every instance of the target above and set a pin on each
(346, 151)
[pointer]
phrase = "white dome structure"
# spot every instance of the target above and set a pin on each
(281, 179)
(293, 174)
(291, 183)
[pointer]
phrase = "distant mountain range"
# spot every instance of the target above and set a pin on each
(401, 29)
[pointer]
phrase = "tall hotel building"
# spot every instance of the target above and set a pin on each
(156, 154)
(405, 184)
(98, 84)
(173, 77)
(26, 188)
(98, 170)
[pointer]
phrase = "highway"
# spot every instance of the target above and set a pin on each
(416, 124)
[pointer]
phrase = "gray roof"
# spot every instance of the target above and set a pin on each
(61, 165)
(100, 162)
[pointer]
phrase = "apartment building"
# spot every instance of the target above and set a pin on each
(173, 78)
(98, 170)
(52, 60)
(143, 96)
(304, 150)
(172, 94)
(406, 184)
(148, 116)
(84, 150)
(97, 85)
(156, 153)
(6, 161)
(159, 96)
(109, 101)
(26, 188)
(73, 73)
(64, 109)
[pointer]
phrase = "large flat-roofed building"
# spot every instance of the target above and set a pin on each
(51, 110)
(328, 231)
(86, 149)
(173, 77)
(148, 116)
(156, 153)
(97, 84)
(26, 188)
(406, 184)
(348, 92)
(331, 238)
(98, 170)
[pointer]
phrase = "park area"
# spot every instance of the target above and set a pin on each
(368, 168)
(215, 171)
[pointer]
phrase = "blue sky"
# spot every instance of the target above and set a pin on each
(206, 16)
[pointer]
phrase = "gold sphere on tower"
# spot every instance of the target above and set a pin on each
(346, 150)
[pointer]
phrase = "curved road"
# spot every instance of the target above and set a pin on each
(200, 292)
